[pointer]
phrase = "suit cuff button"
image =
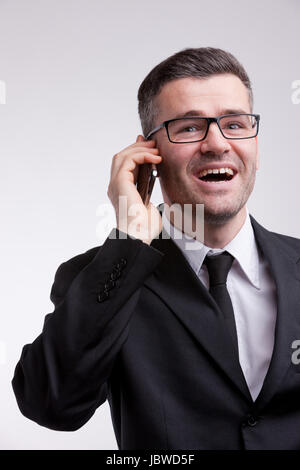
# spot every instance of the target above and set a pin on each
(109, 284)
(114, 275)
(103, 296)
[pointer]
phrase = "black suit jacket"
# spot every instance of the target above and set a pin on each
(154, 344)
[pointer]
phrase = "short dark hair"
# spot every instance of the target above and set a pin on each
(199, 62)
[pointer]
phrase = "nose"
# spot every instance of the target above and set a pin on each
(214, 141)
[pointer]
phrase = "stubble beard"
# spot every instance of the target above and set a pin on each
(177, 194)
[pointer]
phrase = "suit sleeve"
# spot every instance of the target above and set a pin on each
(61, 378)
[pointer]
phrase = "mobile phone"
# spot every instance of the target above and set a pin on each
(145, 181)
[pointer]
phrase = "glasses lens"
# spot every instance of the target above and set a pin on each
(187, 130)
(238, 126)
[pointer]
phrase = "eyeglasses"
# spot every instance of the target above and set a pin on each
(194, 129)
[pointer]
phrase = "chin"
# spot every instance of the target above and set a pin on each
(219, 216)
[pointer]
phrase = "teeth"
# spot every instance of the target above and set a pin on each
(229, 171)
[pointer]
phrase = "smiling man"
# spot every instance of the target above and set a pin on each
(218, 170)
(192, 348)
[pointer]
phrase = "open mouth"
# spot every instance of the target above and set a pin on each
(217, 175)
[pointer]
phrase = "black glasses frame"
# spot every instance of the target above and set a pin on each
(209, 120)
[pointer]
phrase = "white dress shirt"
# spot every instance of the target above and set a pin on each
(253, 295)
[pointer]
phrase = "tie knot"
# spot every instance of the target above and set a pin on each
(218, 267)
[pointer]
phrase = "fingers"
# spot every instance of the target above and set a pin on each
(130, 163)
(124, 171)
(139, 152)
(141, 143)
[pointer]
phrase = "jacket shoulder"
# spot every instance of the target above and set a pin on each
(289, 242)
(285, 242)
(293, 241)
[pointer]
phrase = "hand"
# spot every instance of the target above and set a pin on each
(137, 220)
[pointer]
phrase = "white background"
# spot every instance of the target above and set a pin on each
(72, 70)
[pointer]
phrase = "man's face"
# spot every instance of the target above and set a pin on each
(181, 164)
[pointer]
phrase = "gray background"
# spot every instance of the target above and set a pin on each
(72, 70)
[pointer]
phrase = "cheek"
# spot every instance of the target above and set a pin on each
(246, 153)
(176, 155)
(171, 160)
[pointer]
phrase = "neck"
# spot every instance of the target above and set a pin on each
(214, 236)
(220, 236)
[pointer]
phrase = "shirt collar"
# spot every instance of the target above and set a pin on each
(242, 247)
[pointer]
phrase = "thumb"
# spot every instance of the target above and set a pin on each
(140, 138)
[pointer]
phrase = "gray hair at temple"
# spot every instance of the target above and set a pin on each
(199, 62)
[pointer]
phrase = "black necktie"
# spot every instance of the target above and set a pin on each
(218, 267)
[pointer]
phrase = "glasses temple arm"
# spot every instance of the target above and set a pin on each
(154, 130)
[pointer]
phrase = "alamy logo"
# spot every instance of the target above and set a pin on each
(296, 93)
(188, 219)
(296, 354)
(2, 92)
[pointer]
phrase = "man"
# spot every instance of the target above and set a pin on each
(192, 348)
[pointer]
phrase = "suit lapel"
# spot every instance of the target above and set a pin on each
(178, 286)
(282, 260)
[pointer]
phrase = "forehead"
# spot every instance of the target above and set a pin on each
(209, 96)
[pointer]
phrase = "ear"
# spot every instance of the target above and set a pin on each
(157, 169)
(257, 154)
(157, 164)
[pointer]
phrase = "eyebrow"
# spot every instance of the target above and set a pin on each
(194, 112)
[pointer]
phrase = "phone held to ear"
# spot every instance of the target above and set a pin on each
(145, 181)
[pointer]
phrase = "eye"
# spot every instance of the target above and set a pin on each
(234, 125)
(189, 129)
